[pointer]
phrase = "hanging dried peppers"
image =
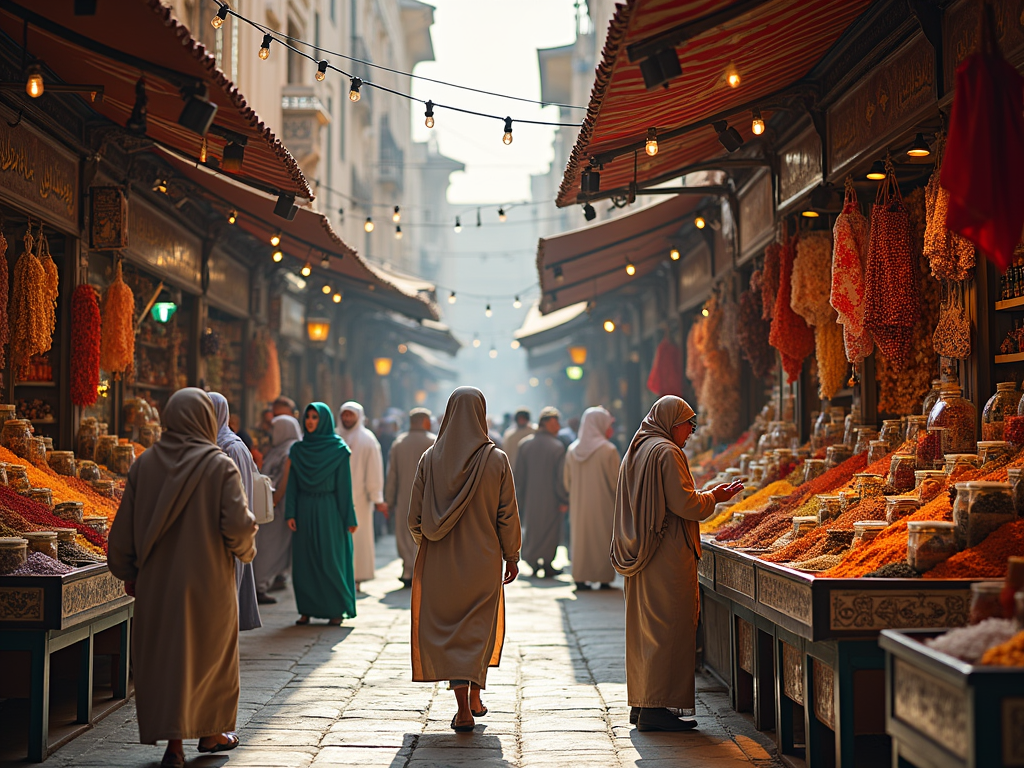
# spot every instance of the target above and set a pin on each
(117, 330)
(30, 332)
(789, 333)
(849, 255)
(85, 345)
(770, 279)
(752, 333)
(5, 329)
(812, 282)
(52, 290)
(695, 369)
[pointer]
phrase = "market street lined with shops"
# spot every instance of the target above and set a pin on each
(326, 696)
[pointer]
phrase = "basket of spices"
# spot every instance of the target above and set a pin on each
(71, 510)
(1003, 403)
(990, 450)
(877, 449)
(88, 471)
(104, 445)
(62, 462)
(813, 468)
(929, 542)
(866, 530)
(68, 550)
(104, 487)
(17, 478)
(44, 542)
(901, 471)
(13, 551)
(15, 436)
(868, 485)
(122, 456)
(829, 508)
(958, 462)
(899, 507)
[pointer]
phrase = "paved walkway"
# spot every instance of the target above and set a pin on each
(324, 696)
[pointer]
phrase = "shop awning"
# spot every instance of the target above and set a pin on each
(309, 237)
(587, 263)
(541, 329)
(428, 333)
(429, 360)
(769, 45)
(128, 38)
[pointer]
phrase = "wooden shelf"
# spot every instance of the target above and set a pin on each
(1017, 357)
(1008, 304)
(35, 384)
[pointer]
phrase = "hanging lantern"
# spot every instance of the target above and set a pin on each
(163, 311)
(578, 355)
(382, 365)
(318, 328)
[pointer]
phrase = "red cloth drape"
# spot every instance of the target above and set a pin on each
(666, 377)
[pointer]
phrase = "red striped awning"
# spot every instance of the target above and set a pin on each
(769, 45)
(100, 49)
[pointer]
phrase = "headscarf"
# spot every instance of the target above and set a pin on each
(640, 505)
(284, 433)
(319, 453)
(181, 457)
(454, 465)
(593, 428)
(233, 446)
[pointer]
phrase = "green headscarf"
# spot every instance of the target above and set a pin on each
(319, 453)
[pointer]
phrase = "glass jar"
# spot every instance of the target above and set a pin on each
(899, 507)
(17, 478)
(929, 542)
(104, 487)
(836, 455)
(932, 397)
(915, 424)
(901, 471)
(3, 473)
(104, 444)
(985, 602)
(802, 524)
(756, 473)
(36, 450)
(8, 412)
(847, 499)
(837, 539)
(101, 428)
(42, 541)
(892, 433)
(990, 450)
(88, 471)
(70, 510)
(864, 437)
(62, 462)
(850, 424)
(122, 456)
(877, 449)
(813, 468)
(923, 475)
(1003, 403)
(12, 553)
(42, 496)
(960, 462)
(86, 440)
(1013, 431)
(98, 523)
(829, 508)
(864, 531)
(745, 460)
(867, 484)
(958, 415)
(989, 506)
(778, 498)
(929, 449)
(15, 436)
(1013, 476)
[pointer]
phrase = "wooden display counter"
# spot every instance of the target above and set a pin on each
(41, 615)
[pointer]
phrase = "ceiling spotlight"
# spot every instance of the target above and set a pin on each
(728, 135)
(265, 47)
(590, 181)
(336, 298)
(429, 115)
(877, 171)
(609, 326)
(285, 206)
(458, 225)
(325, 262)
(488, 312)
(757, 124)
(278, 256)
(451, 297)
(232, 216)
(502, 216)
(321, 71)
(630, 268)
(396, 216)
(507, 138)
(651, 147)
(398, 231)
(307, 270)
(368, 224)
(674, 254)
(218, 21)
(516, 303)
(920, 147)
(353, 92)
(275, 239)
(660, 67)
(700, 222)
(733, 80)
(588, 212)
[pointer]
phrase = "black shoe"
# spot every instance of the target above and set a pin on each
(660, 719)
(606, 585)
(406, 583)
(262, 598)
(581, 585)
(634, 713)
(279, 584)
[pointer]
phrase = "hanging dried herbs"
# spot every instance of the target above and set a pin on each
(269, 388)
(29, 323)
(849, 256)
(85, 345)
(5, 329)
(52, 286)
(770, 279)
(719, 395)
(789, 333)
(117, 330)
(752, 333)
(952, 256)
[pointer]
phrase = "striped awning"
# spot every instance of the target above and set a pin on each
(770, 46)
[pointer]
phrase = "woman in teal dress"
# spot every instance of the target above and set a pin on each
(319, 510)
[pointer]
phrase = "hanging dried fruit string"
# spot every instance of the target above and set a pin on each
(753, 330)
(29, 324)
(52, 286)
(849, 255)
(951, 256)
(719, 395)
(85, 345)
(770, 279)
(117, 329)
(812, 282)
(790, 334)
(5, 329)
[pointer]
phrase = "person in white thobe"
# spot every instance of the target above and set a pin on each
(367, 484)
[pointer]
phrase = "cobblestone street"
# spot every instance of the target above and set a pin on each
(342, 696)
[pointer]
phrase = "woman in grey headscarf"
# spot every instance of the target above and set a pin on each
(274, 542)
(232, 445)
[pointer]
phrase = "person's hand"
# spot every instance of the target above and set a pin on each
(129, 588)
(725, 491)
(352, 528)
(511, 571)
(382, 508)
(291, 525)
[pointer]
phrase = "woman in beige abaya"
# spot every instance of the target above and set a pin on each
(182, 522)
(463, 516)
(656, 546)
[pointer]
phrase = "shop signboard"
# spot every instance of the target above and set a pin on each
(694, 277)
(799, 167)
(108, 218)
(960, 34)
(160, 243)
(35, 175)
(228, 287)
(293, 318)
(757, 214)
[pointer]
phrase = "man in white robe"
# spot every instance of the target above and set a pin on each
(367, 485)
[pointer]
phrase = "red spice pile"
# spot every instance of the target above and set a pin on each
(34, 512)
(813, 543)
(986, 560)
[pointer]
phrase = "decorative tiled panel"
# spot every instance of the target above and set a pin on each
(745, 645)
(793, 673)
(21, 604)
(885, 609)
(824, 693)
(929, 705)
(84, 594)
(787, 597)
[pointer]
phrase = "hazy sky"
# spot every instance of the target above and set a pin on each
(492, 44)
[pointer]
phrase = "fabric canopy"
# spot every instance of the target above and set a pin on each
(767, 45)
(541, 329)
(127, 39)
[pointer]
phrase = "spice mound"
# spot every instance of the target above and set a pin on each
(38, 564)
(894, 571)
(1009, 654)
(970, 643)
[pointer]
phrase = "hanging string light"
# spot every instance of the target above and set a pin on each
(502, 217)
(397, 215)
(757, 123)
(429, 114)
(325, 263)
(458, 225)
(700, 222)
(674, 254)
(651, 147)
(321, 71)
(307, 270)
(336, 298)
(493, 353)
(218, 21)
(488, 312)
(507, 138)
(630, 268)
(734, 80)
(326, 289)
(515, 344)
(398, 231)
(275, 239)
(278, 256)
(34, 82)
(232, 216)
(516, 303)
(368, 224)
(476, 342)
(353, 91)
(451, 297)
(265, 47)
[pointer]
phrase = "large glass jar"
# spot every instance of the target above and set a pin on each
(877, 449)
(932, 397)
(813, 468)
(745, 460)
(989, 506)
(86, 441)
(1003, 403)
(15, 437)
(864, 531)
(1013, 431)
(985, 602)
(17, 478)
(36, 450)
(958, 415)
(756, 473)
(899, 507)
(104, 487)
(12, 553)
(892, 433)
(88, 471)
(98, 523)
(42, 541)
(990, 450)
(960, 462)
(901, 471)
(104, 445)
(42, 496)
(929, 542)
(62, 462)
(837, 454)
(7, 412)
(122, 456)
(864, 437)
(867, 485)
(70, 510)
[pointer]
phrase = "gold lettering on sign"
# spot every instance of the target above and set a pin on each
(800, 166)
(163, 244)
(56, 184)
(33, 170)
(960, 33)
(14, 158)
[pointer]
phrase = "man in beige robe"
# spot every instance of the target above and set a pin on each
(521, 428)
(656, 546)
(403, 459)
(464, 517)
(182, 521)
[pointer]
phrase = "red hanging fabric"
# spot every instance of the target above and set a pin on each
(666, 377)
(789, 334)
(984, 161)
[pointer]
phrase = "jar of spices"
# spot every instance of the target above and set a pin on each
(68, 552)
(104, 444)
(847, 499)
(36, 450)
(838, 538)
(813, 468)
(104, 487)
(864, 437)
(1013, 476)
(901, 471)
(98, 523)
(836, 455)
(88, 471)
(86, 440)
(1013, 431)
(122, 456)
(899, 507)
(43, 496)
(990, 506)
(932, 397)
(891, 433)
(49, 444)
(777, 498)
(756, 473)
(42, 541)
(62, 462)
(867, 485)
(745, 459)
(1013, 584)
(70, 510)
(958, 415)
(1003, 403)
(17, 478)
(146, 436)
(15, 436)
(922, 475)
(8, 412)
(850, 424)
(3, 473)
(877, 449)
(985, 602)
(960, 462)
(802, 524)
(864, 531)
(929, 542)
(990, 450)
(829, 508)
(102, 428)
(12, 553)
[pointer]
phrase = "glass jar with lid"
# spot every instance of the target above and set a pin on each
(929, 449)
(985, 601)
(44, 542)
(88, 471)
(989, 506)
(17, 478)
(836, 455)
(15, 436)
(104, 444)
(1013, 476)
(829, 507)
(62, 462)
(923, 475)
(914, 426)
(756, 473)
(1013, 431)
(961, 462)
(42, 496)
(122, 456)
(899, 507)
(7, 412)
(929, 542)
(813, 468)
(3, 473)
(901, 471)
(867, 485)
(745, 460)
(864, 531)
(847, 499)
(958, 415)
(990, 450)
(98, 523)
(13, 552)
(802, 524)
(932, 397)
(850, 424)
(70, 510)
(877, 449)
(1003, 403)
(864, 437)
(892, 433)
(86, 439)
(104, 487)
(36, 450)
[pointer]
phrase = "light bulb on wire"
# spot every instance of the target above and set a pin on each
(630, 268)
(218, 21)
(700, 222)
(326, 289)
(321, 71)
(674, 254)
(353, 91)
(325, 262)
(493, 353)
(429, 115)
(398, 231)
(502, 216)
(336, 298)
(275, 239)
(278, 256)
(515, 344)
(476, 342)
(704, 312)
(307, 270)
(396, 216)
(265, 47)
(458, 225)
(734, 80)
(757, 122)
(507, 138)
(368, 225)
(34, 82)
(516, 303)
(488, 312)
(232, 216)
(451, 297)
(651, 147)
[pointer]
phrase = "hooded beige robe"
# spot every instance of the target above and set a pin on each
(464, 517)
(403, 460)
(656, 546)
(182, 521)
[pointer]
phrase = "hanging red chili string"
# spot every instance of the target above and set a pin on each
(85, 345)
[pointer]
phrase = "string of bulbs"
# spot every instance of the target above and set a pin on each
(356, 83)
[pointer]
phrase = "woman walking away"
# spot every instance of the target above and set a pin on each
(318, 507)
(274, 541)
(232, 445)
(463, 516)
(182, 521)
(656, 546)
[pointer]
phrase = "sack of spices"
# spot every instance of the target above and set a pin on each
(952, 337)
(849, 254)
(890, 280)
(789, 333)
